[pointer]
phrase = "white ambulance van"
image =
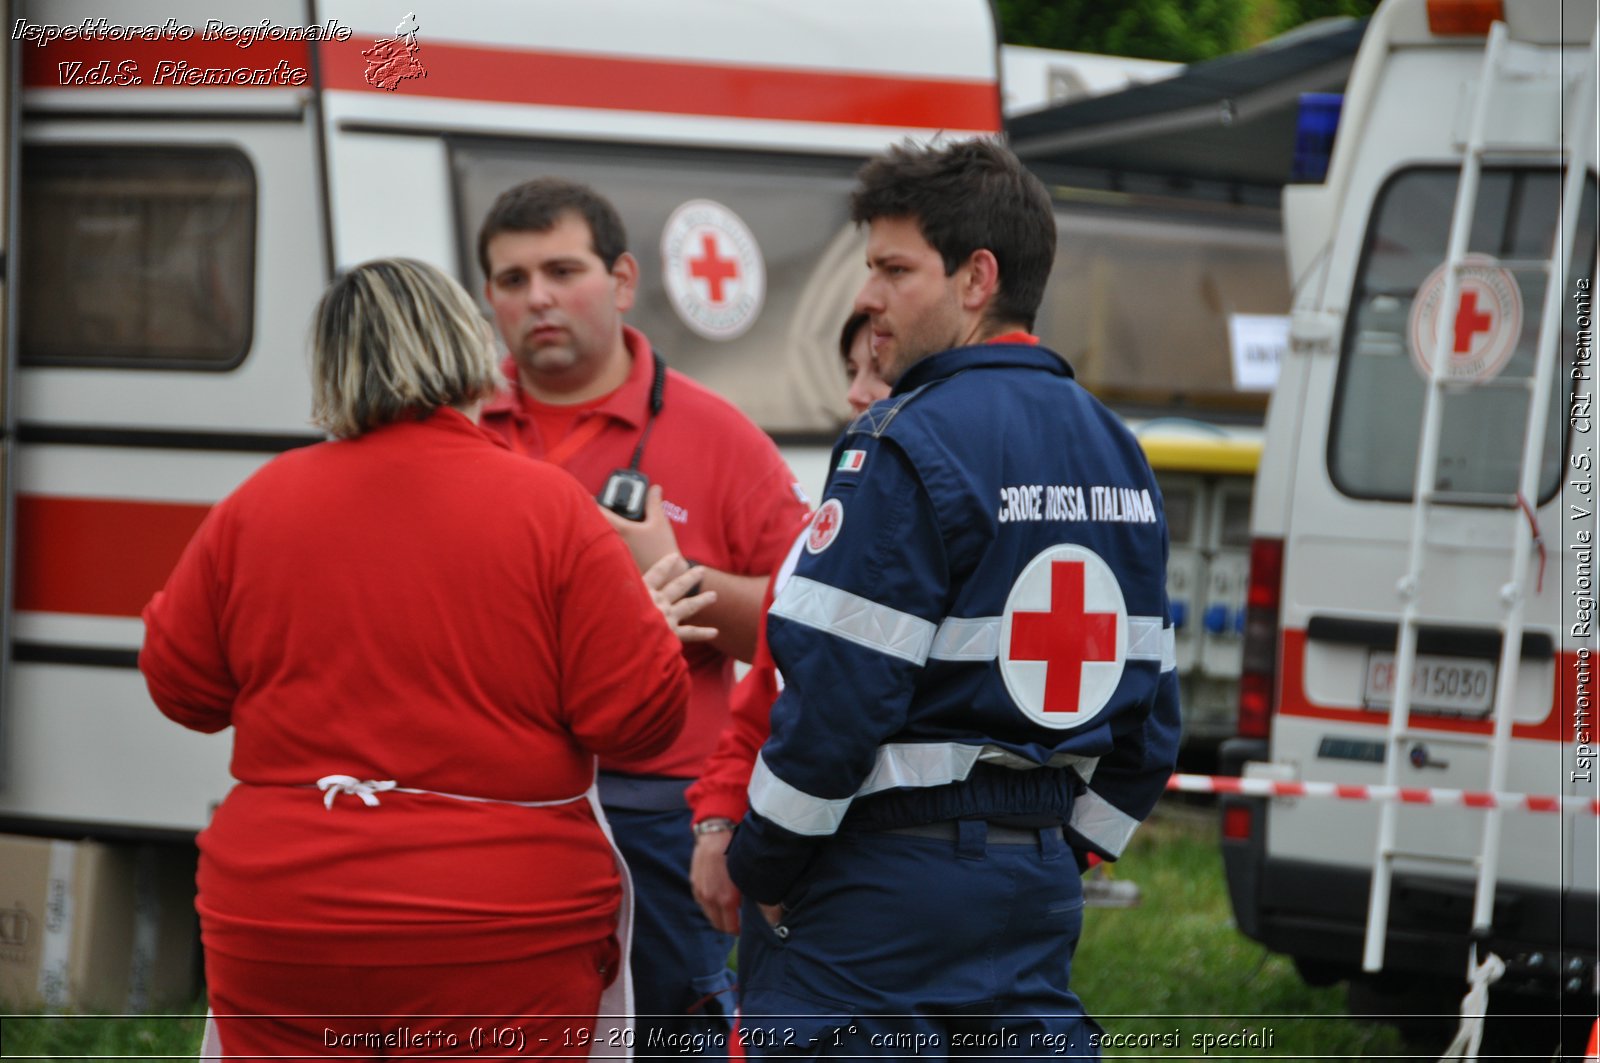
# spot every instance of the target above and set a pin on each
(183, 182)
(186, 178)
(1420, 634)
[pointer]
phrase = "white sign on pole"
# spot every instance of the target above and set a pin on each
(1259, 342)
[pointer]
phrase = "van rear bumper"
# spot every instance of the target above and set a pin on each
(1317, 913)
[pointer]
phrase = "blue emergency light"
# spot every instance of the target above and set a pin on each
(1313, 135)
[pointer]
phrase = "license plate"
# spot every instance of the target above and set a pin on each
(1456, 686)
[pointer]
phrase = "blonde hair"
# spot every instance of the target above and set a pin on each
(396, 338)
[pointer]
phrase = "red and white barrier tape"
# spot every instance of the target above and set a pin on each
(1225, 784)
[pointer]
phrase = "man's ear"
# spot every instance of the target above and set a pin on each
(626, 272)
(980, 280)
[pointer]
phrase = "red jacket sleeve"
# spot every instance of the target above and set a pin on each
(764, 520)
(624, 682)
(723, 787)
(182, 657)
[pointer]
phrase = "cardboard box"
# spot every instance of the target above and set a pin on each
(91, 926)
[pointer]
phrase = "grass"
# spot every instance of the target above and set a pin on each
(1172, 967)
(172, 1036)
(1175, 967)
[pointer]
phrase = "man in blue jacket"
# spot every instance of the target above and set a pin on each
(980, 686)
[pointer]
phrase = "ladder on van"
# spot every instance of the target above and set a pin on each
(1502, 66)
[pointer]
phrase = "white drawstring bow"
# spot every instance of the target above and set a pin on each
(334, 785)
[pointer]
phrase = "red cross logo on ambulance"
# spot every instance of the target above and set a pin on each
(1484, 328)
(1064, 637)
(715, 277)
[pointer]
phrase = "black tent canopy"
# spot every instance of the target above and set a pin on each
(1220, 129)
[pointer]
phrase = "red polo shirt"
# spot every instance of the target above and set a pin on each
(733, 503)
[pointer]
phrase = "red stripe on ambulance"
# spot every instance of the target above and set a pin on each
(567, 79)
(100, 557)
(1556, 726)
(554, 79)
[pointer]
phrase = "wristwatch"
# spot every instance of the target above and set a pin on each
(714, 825)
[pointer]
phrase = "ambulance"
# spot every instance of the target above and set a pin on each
(1419, 641)
(186, 178)
(182, 182)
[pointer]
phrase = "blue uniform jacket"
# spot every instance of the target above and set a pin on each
(977, 625)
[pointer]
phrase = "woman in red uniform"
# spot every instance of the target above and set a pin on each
(422, 642)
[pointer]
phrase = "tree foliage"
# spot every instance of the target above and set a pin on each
(1292, 13)
(1184, 31)
(1145, 29)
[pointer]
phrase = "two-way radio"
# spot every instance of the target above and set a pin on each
(625, 489)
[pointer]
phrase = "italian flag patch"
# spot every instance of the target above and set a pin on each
(851, 461)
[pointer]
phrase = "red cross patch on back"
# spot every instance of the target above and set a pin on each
(1064, 637)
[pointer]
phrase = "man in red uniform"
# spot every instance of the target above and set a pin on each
(585, 391)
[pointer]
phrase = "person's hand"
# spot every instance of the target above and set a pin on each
(708, 876)
(669, 581)
(648, 540)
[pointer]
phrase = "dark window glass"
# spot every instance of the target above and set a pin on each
(136, 258)
(1377, 420)
(784, 371)
(1235, 520)
(1178, 503)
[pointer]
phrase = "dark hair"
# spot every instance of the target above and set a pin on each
(847, 335)
(967, 196)
(537, 205)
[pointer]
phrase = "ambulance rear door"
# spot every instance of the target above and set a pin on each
(1396, 169)
(171, 251)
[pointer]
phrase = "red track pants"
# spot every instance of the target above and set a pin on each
(541, 1006)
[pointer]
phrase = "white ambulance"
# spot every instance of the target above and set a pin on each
(186, 178)
(183, 181)
(1420, 630)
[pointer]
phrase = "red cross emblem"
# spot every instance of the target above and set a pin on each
(1469, 322)
(825, 526)
(712, 268)
(1064, 636)
(1482, 330)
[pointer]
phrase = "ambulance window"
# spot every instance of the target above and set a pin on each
(783, 370)
(1178, 505)
(136, 258)
(1377, 419)
(1235, 520)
